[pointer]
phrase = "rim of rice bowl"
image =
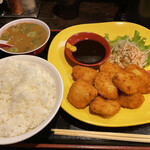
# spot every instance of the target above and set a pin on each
(59, 95)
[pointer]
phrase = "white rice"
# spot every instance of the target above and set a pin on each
(27, 96)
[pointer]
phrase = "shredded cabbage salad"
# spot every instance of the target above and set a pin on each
(125, 51)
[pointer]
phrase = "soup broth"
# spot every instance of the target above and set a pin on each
(24, 36)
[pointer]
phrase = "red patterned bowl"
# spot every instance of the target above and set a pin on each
(74, 39)
(28, 20)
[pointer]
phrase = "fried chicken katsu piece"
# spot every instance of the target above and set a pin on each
(104, 107)
(126, 82)
(104, 85)
(143, 75)
(81, 94)
(131, 101)
(110, 68)
(84, 73)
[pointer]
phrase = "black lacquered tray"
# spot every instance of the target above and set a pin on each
(47, 139)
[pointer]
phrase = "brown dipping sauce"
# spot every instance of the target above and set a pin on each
(89, 51)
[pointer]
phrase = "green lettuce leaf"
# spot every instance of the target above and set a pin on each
(113, 42)
(137, 39)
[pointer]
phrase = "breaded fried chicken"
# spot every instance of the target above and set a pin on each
(104, 85)
(126, 82)
(81, 94)
(144, 78)
(84, 73)
(110, 68)
(104, 107)
(131, 101)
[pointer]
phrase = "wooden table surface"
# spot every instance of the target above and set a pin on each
(89, 12)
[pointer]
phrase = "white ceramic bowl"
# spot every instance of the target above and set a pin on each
(28, 20)
(59, 95)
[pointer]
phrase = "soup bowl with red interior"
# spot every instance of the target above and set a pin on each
(27, 36)
(87, 49)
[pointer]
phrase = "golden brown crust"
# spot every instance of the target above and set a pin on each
(110, 68)
(126, 82)
(81, 94)
(110, 89)
(84, 73)
(104, 85)
(104, 107)
(131, 101)
(144, 78)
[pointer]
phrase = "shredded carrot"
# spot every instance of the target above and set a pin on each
(125, 52)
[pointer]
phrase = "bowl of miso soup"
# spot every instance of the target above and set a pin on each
(27, 35)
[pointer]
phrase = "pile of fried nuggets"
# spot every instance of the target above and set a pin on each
(109, 89)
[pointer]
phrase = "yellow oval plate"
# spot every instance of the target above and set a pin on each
(56, 55)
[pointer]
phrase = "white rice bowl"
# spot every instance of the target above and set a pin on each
(49, 100)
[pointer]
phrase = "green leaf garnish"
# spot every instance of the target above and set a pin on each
(137, 39)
